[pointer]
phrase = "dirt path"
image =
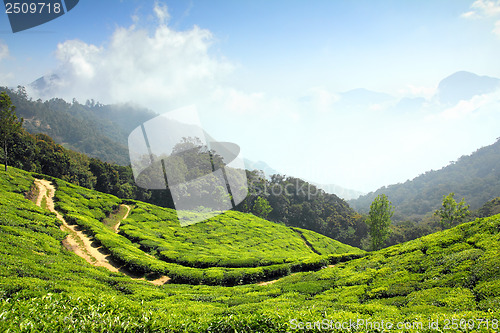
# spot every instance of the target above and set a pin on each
(46, 190)
(265, 283)
(115, 228)
(80, 243)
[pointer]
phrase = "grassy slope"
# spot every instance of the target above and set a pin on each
(232, 239)
(450, 274)
(231, 248)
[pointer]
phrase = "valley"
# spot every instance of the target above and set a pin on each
(249, 166)
(449, 275)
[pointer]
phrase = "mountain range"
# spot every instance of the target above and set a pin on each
(475, 177)
(344, 193)
(101, 131)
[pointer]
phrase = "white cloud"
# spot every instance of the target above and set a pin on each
(496, 29)
(160, 68)
(161, 12)
(319, 99)
(418, 91)
(485, 9)
(466, 108)
(4, 51)
(236, 101)
(470, 15)
(6, 78)
(79, 58)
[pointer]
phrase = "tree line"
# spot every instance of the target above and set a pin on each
(281, 199)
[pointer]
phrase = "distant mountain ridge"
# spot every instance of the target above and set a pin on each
(339, 191)
(475, 177)
(465, 85)
(92, 128)
(344, 193)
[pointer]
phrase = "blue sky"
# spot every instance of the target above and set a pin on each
(268, 75)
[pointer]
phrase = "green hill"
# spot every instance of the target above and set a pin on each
(475, 177)
(229, 249)
(98, 130)
(101, 131)
(450, 278)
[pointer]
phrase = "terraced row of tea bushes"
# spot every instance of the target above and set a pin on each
(451, 271)
(231, 240)
(81, 208)
(44, 287)
(70, 198)
(33, 261)
(323, 245)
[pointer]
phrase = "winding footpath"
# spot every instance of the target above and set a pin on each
(115, 228)
(80, 243)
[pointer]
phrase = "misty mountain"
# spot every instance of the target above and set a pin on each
(46, 86)
(344, 193)
(475, 177)
(262, 166)
(94, 129)
(339, 191)
(465, 85)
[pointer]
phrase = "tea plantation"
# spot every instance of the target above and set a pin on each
(447, 281)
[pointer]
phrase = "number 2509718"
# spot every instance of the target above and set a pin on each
(32, 8)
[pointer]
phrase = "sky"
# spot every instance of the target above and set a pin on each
(270, 76)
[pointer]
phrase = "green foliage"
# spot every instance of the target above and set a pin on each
(261, 207)
(451, 212)
(475, 177)
(231, 239)
(297, 203)
(447, 276)
(379, 220)
(100, 131)
(227, 249)
(9, 124)
(490, 208)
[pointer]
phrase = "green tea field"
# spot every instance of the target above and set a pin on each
(232, 273)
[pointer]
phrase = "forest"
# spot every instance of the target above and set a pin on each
(302, 205)
(475, 177)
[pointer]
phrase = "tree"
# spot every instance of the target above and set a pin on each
(9, 124)
(451, 212)
(261, 207)
(379, 220)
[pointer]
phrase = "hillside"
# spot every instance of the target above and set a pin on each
(151, 241)
(475, 177)
(99, 131)
(301, 205)
(443, 278)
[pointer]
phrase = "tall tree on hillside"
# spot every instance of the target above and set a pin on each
(451, 212)
(379, 220)
(261, 207)
(9, 123)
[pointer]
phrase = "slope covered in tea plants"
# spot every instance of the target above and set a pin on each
(450, 278)
(231, 248)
